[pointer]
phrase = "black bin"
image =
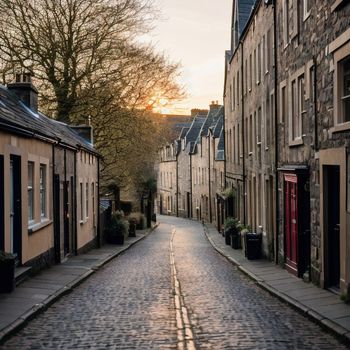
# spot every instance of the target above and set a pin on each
(253, 245)
(228, 236)
(7, 274)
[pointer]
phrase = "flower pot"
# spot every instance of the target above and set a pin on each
(235, 239)
(7, 275)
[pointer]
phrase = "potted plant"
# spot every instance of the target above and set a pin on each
(117, 229)
(230, 229)
(243, 230)
(7, 272)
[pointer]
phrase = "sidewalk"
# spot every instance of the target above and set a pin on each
(37, 293)
(320, 305)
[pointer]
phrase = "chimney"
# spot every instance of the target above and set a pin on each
(25, 90)
(84, 131)
(214, 105)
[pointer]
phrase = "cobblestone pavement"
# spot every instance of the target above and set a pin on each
(126, 305)
(129, 304)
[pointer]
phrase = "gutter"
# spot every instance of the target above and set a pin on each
(209, 180)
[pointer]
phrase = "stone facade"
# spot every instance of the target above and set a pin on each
(288, 166)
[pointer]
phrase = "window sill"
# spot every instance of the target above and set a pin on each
(250, 154)
(297, 142)
(340, 128)
(266, 148)
(306, 16)
(40, 225)
(336, 4)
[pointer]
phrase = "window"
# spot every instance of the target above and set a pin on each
(306, 9)
(233, 94)
(258, 140)
(345, 90)
(267, 123)
(30, 191)
(250, 134)
(268, 50)
(286, 22)
(259, 62)
(250, 72)
(255, 67)
(81, 202)
(238, 88)
(283, 104)
(263, 55)
(245, 76)
(298, 106)
(43, 190)
(87, 200)
(93, 202)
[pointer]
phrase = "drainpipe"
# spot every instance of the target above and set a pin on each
(177, 186)
(243, 141)
(209, 179)
(191, 185)
(276, 132)
(315, 104)
(75, 212)
(99, 243)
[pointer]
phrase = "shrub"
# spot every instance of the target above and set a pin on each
(117, 229)
(231, 223)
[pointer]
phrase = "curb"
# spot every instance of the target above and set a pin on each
(35, 310)
(338, 331)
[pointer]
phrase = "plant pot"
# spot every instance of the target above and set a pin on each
(227, 237)
(132, 229)
(116, 239)
(235, 240)
(7, 275)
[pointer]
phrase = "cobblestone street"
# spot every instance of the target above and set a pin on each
(129, 304)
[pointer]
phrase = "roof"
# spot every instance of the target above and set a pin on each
(219, 123)
(211, 120)
(195, 129)
(183, 132)
(14, 113)
(244, 10)
(220, 154)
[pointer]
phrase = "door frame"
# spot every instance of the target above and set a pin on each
(2, 201)
(56, 217)
(17, 193)
(335, 156)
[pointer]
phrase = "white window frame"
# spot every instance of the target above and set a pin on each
(31, 192)
(43, 190)
(306, 9)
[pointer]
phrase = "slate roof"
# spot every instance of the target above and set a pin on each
(244, 10)
(14, 113)
(219, 123)
(183, 132)
(220, 154)
(194, 130)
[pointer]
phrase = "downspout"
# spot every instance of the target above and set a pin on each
(243, 140)
(177, 185)
(57, 255)
(75, 206)
(191, 185)
(276, 133)
(209, 179)
(99, 243)
(315, 104)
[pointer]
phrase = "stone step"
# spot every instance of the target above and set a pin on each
(21, 274)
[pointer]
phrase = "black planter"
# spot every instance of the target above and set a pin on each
(7, 275)
(132, 229)
(228, 237)
(253, 245)
(116, 239)
(235, 239)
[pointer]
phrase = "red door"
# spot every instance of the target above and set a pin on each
(291, 223)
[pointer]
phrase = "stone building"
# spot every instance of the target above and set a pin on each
(287, 132)
(314, 136)
(249, 120)
(167, 180)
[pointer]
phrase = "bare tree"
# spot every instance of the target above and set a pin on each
(66, 43)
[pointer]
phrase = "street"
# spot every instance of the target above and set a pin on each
(171, 291)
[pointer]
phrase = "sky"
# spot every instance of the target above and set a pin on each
(195, 33)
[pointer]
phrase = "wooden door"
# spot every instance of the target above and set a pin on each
(291, 223)
(332, 243)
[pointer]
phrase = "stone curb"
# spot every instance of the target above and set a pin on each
(330, 326)
(35, 310)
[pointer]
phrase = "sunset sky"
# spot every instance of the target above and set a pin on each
(195, 33)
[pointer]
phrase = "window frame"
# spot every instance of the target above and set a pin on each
(31, 193)
(43, 190)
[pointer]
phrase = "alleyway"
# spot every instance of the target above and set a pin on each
(130, 304)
